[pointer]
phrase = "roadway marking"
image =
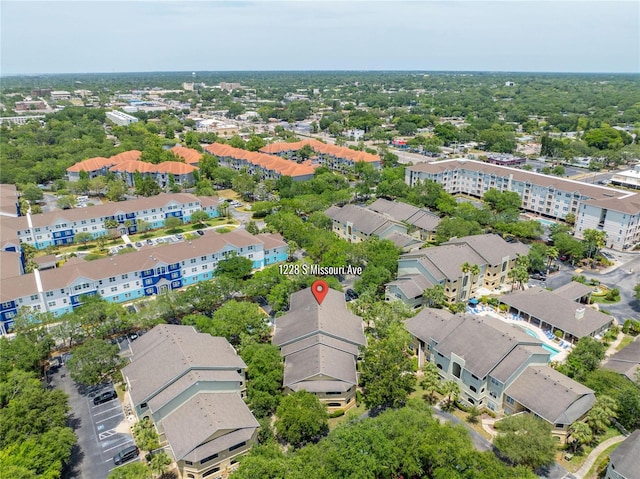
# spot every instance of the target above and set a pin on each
(104, 435)
(110, 417)
(129, 440)
(98, 405)
(107, 410)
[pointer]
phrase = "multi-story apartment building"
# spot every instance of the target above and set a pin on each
(336, 158)
(60, 227)
(127, 164)
(499, 367)
(194, 398)
(489, 259)
(320, 345)
(267, 166)
(624, 461)
(404, 224)
(124, 278)
(606, 209)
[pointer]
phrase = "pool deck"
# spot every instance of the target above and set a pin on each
(488, 311)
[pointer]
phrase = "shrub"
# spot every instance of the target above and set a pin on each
(337, 413)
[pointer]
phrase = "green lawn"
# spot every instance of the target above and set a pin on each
(625, 342)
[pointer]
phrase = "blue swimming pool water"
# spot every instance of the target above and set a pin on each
(545, 222)
(553, 351)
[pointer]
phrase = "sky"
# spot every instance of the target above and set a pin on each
(88, 36)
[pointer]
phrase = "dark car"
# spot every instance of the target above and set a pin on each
(350, 295)
(149, 241)
(125, 455)
(200, 232)
(564, 257)
(105, 397)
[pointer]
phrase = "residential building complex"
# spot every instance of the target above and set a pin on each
(404, 224)
(613, 211)
(498, 366)
(138, 274)
(554, 311)
(194, 397)
(127, 164)
(61, 226)
(626, 361)
(267, 166)
(334, 157)
(320, 344)
(489, 257)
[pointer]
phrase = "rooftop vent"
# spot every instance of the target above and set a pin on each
(580, 313)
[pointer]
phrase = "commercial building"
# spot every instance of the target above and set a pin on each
(138, 274)
(191, 385)
(320, 344)
(615, 212)
(499, 367)
(60, 227)
(120, 118)
(627, 178)
(489, 259)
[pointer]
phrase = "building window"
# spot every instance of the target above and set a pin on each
(237, 446)
(456, 369)
(212, 471)
(509, 400)
(208, 459)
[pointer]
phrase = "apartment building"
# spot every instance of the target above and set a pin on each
(123, 278)
(606, 209)
(489, 259)
(336, 158)
(60, 227)
(194, 398)
(320, 345)
(499, 367)
(266, 166)
(624, 460)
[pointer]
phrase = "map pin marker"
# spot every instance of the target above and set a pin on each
(320, 288)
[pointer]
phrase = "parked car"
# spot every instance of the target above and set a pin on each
(539, 276)
(133, 336)
(105, 397)
(180, 237)
(350, 295)
(125, 455)
(138, 244)
(564, 257)
(149, 241)
(200, 232)
(160, 240)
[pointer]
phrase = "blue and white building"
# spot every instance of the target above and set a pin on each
(60, 227)
(124, 278)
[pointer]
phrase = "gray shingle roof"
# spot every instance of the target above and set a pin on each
(626, 361)
(625, 458)
(171, 351)
(551, 395)
(515, 359)
(445, 261)
(573, 290)
(362, 219)
(403, 212)
(320, 339)
(557, 311)
(491, 247)
(306, 317)
(319, 360)
(412, 285)
(204, 415)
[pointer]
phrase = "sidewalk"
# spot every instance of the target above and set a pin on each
(591, 459)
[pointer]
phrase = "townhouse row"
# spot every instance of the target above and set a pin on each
(613, 211)
(126, 277)
(61, 227)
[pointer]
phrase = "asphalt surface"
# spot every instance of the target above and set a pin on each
(101, 429)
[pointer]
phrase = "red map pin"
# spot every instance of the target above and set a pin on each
(320, 288)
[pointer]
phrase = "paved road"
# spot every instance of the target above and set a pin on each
(98, 428)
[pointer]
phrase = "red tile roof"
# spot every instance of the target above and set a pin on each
(322, 148)
(189, 155)
(97, 163)
(173, 167)
(267, 162)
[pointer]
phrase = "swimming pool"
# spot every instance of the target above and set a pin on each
(544, 222)
(553, 351)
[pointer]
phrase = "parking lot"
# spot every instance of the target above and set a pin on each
(102, 429)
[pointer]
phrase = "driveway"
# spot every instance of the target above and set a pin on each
(102, 430)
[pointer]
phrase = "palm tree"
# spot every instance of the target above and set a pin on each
(430, 380)
(599, 418)
(552, 253)
(434, 297)
(579, 433)
(451, 389)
